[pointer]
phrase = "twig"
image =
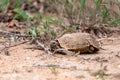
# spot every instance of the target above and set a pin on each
(44, 47)
(10, 33)
(23, 35)
(12, 46)
(45, 65)
(56, 66)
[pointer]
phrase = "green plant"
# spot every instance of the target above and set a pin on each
(53, 70)
(115, 22)
(83, 6)
(39, 18)
(73, 13)
(105, 14)
(7, 3)
(46, 26)
(22, 15)
(34, 32)
(100, 75)
(98, 2)
(69, 29)
(53, 33)
(3, 5)
(18, 3)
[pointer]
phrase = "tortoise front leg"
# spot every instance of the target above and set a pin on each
(64, 51)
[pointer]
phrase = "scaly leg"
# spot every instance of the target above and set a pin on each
(64, 51)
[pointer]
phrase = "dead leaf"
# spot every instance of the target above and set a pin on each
(11, 24)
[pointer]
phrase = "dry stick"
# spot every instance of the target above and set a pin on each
(10, 33)
(23, 35)
(44, 47)
(13, 45)
(56, 66)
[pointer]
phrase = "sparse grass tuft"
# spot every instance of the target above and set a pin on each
(22, 15)
(99, 74)
(3, 5)
(53, 70)
(34, 32)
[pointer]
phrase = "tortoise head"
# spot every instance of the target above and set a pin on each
(54, 45)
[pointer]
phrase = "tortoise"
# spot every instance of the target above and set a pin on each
(75, 43)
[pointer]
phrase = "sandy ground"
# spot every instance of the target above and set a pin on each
(28, 64)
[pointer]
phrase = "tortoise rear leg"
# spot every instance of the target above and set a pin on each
(64, 51)
(91, 49)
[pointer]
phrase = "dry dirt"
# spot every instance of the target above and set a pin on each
(28, 64)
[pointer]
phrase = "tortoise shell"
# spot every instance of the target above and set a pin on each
(82, 42)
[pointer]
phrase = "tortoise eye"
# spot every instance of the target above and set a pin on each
(54, 43)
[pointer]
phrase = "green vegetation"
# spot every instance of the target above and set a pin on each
(22, 15)
(34, 32)
(53, 70)
(3, 4)
(115, 22)
(100, 75)
(76, 12)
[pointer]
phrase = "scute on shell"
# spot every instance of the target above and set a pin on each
(78, 41)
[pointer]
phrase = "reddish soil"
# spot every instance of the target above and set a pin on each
(28, 64)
